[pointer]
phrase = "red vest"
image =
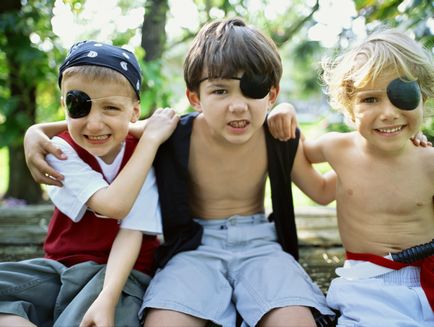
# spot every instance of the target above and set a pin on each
(91, 238)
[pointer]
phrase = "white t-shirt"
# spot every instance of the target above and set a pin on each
(81, 182)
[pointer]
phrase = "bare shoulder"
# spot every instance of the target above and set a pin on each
(426, 155)
(337, 140)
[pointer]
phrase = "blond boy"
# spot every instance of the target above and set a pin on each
(102, 235)
(385, 188)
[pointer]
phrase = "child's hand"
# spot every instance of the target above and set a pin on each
(137, 128)
(100, 314)
(36, 146)
(160, 125)
(282, 122)
(421, 139)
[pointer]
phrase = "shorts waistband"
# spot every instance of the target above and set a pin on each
(409, 276)
(232, 221)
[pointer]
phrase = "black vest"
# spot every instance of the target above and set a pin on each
(181, 232)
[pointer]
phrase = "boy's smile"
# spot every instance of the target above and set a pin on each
(97, 139)
(102, 129)
(379, 121)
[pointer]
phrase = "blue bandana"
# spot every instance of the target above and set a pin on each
(100, 54)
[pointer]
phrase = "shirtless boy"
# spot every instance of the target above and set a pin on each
(385, 187)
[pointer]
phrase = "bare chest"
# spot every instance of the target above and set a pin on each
(398, 188)
(227, 180)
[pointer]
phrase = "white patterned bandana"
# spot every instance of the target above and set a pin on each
(100, 54)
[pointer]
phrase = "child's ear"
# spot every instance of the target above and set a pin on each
(135, 115)
(272, 95)
(193, 98)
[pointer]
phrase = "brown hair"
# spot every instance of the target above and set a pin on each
(223, 48)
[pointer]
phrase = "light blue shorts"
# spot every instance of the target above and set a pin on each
(239, 266)
(394, 299)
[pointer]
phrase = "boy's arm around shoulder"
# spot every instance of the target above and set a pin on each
(324, 147)
(320, 188)
(37, 144)
(117, 199)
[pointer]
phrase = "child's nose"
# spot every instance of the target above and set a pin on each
(94, 120)
(389, 111)
(238, 106)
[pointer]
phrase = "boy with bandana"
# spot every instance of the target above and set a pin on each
(221, 254)
(99, 249)
(385, 188)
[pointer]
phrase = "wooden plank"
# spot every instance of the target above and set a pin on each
(23, 229)
(27, 234)
(316, 226)
(21, 252)
(320, 264)
(26, 215)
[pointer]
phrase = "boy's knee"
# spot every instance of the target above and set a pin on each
(14, 320)
(158, 317)
(296, 316)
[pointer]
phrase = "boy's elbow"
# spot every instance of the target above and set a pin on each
(108, 206)
(324, 197)
(116, 210)
(120, 213)
(325, 201)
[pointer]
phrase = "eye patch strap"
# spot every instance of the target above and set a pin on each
(79, 103)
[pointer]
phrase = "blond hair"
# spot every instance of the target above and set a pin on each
(388, 50)
(100, 74)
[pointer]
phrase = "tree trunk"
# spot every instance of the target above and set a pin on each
(10, 5)
(22, 114)
(153, 29)
(21, 183)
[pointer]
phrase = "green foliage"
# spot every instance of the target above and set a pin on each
(75, 5)
(408, 15)
(428, 129)
(23, 65)
(305, 57)
(338, 127)
(155, 92)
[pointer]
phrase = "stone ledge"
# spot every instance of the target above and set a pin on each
(23, 229)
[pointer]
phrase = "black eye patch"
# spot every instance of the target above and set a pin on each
(403, 94)
(78, 104)
(254, 86)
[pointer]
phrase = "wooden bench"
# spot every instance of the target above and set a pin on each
(22, 231)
